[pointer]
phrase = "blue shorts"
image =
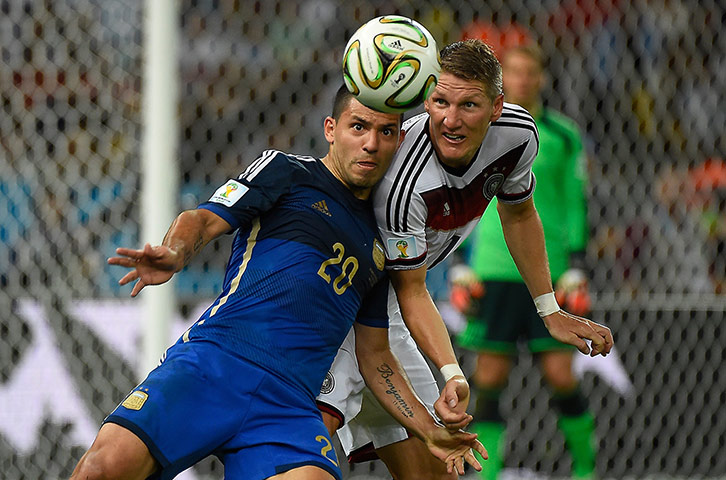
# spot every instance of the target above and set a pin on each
(202, 400)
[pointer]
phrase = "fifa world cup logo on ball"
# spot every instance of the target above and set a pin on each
(402, 246)
(229, 188)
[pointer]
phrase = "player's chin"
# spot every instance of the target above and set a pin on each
(368, 177)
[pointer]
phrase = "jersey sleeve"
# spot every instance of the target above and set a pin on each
(519, 185)
(238, 201)
(374, 308)
(404, 233)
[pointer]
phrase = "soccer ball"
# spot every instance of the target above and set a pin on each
(391, 64)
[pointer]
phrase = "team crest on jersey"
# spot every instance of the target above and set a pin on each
(328, 383)
(379, 255)
(492, 185)
(402, 248)
(229, 193)
(135, 400)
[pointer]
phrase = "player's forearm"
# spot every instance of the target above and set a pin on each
(387, 381)
(428, 330)
(525, 240)
(422, 317)
(187, 235)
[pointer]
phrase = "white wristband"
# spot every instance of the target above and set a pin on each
(451, 370)
(546, 304)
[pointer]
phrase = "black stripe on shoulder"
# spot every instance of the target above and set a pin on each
(402, 183)
(409, 191)
(518, 119)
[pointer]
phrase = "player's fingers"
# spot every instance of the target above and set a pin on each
(598, 349)
(451, 398)
(598, 343)
(460, 465)
(130, 252)
(606, 334)
(138, 286)
(580, 344)
(479, 447)
(456, 425)
(576, 337)
(122, 261)
(471, 460)
(129, 277)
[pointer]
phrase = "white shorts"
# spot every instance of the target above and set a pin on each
(344, 389)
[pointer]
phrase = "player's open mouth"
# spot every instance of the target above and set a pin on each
(453, 138)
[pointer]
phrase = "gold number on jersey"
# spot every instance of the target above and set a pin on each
(327, 447)
(349, 269)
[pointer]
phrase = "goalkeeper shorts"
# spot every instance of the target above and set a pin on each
(503, 317)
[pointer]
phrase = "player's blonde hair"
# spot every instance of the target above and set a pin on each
(472, 59)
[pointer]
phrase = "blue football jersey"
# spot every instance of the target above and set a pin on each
(306, 262)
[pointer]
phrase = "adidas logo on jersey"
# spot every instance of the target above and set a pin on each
(322, 207)
(447, 209)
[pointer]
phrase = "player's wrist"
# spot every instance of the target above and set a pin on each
(450, 371)
(546, 304)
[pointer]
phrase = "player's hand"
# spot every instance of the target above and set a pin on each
(455, 448)
(464, 286)
(151, 265)
(574, 330)
(572, 292)
(452, 403)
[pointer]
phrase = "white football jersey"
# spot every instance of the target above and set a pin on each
(425, 209)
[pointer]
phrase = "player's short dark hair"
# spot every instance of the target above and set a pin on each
(341, 101)
(472, 59)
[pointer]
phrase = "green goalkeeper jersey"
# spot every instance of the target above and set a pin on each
(560, 198)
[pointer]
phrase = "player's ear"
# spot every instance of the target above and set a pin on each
(329, 129)
(498, 106)
(401, 137)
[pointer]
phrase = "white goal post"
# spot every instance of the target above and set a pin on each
(159, 182)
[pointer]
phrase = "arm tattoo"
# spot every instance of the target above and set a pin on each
(198, 244)
(398, 401)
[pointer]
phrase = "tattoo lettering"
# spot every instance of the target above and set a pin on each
(198, 244)
(385, 370)
(398, 401)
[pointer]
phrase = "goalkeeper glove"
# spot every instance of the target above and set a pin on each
(572, 292)
(464, 286)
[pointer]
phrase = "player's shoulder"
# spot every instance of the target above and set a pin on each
(278, 161)
(412, 155)
(515, 118)
(415, 123)
(515, 127)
